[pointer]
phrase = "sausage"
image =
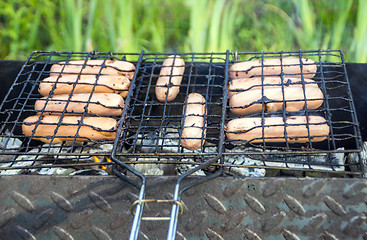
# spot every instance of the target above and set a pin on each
(85, 84)
(193, 130)
(102, 104)
(111, 67)
(242, 84)
(170, 77)
(291, 66)
(91, 128)
(250, 101)
(250, 129)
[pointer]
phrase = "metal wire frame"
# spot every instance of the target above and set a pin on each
(19, 104)
(143, 114)
(142, 111)
(150, 126)
(150, 120)
(337, 108)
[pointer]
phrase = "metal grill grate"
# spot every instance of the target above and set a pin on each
(150, 131)
(337, 110)
(153, 128)
(30, 154)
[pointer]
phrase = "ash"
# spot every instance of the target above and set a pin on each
(154, 142)
(10, 144)
(42, 158)
(318, 161)
(238, 161)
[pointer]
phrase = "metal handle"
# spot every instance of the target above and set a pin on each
(157, 201)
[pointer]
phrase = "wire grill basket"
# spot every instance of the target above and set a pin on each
(149, 131)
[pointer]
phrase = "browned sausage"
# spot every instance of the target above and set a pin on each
(250, 129)
(170, 77)
(291, 66)
(242, 84)
(102, 104)
(111, 67)
(249, 102)
(91, 128)
(85, 84)
(193, 130)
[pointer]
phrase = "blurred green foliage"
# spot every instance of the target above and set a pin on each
(183, 26)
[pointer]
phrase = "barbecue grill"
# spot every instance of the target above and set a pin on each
(148, 135)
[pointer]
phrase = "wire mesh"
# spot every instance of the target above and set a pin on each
(281, 128)
(153, 128)
(149, 130)
(28, 153)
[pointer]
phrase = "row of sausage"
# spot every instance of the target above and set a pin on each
(257, 86)
(69, 94)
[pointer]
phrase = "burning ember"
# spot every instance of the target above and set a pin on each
(97, 160)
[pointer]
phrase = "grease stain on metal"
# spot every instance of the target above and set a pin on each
(23, 201)
(254, 204)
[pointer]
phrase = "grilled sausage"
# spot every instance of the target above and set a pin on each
(250, 101)
(251, 129)
(170, 77)
(102, 104)
(85, 84)
(291, 67)
(193, 130)
(111, 67)
(91, 128)
(242, 84)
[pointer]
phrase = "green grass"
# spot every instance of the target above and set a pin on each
(360, 33)
(183, 26)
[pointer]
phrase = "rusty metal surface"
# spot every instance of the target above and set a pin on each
(99, 207)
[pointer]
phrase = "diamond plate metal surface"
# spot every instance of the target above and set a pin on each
(99, 207)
